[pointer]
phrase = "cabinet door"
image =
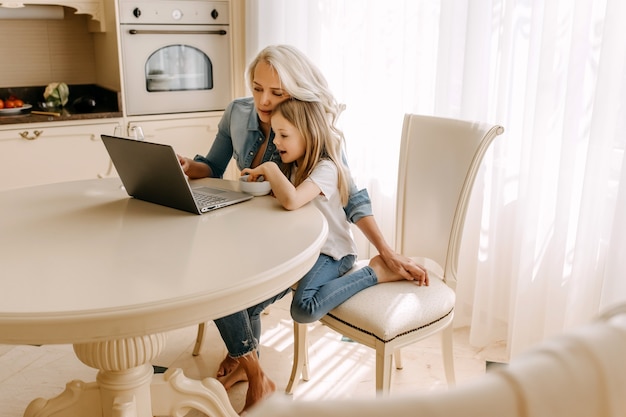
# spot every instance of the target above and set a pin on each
(188, 136)
(34, 155)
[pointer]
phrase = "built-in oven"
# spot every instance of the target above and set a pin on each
(176, 55)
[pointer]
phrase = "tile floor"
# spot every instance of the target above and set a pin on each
(338, 368)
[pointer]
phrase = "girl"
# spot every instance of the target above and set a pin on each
(312, 171)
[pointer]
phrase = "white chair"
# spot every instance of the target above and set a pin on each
(197, 347)
(439, 160)
(580, 373)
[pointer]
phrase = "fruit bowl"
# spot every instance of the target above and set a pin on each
(256, 188)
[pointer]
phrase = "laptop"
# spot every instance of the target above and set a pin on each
(151, 172)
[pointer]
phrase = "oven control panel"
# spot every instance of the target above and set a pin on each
(175, 12)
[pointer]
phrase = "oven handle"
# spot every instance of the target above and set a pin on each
(176, 32)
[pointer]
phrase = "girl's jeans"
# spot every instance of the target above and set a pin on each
(325, 286)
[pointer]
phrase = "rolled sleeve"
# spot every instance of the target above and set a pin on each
(359, 205)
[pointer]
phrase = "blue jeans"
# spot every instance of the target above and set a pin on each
(241, 331)
(325, 286)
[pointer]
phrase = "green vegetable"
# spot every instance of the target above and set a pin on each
(57, 93)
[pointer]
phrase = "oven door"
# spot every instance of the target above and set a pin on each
(176, 68)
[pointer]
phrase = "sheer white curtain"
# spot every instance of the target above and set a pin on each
(548, 216)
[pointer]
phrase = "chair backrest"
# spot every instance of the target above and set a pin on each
(439, 160)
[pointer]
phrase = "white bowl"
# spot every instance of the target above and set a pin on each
(257, 188)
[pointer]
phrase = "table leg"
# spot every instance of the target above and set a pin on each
(78, 399)
(173, 394)
(126, 386)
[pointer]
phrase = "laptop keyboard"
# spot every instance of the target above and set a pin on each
(205, 200)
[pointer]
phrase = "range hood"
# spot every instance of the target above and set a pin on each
(53, 9)
(33, 11)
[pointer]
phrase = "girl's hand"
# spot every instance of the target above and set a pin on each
(252, 173)
(284, 191)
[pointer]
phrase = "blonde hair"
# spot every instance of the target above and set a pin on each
(300, 78)
(321, 141)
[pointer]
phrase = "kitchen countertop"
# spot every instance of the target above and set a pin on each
(37, 118)
(107, 104)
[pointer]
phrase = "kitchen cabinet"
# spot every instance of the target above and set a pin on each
(34, 154)
(189, 135)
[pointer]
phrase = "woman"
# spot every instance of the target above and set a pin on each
(277, 73)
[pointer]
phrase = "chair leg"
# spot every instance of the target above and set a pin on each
(397, 358)
(300, 365)
(199, 339)
(448, 354)
(384, 362)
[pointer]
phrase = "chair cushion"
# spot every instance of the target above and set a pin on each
(389, 310)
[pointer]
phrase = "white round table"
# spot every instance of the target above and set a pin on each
(83, 263)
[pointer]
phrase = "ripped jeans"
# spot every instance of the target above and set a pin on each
(241, 331)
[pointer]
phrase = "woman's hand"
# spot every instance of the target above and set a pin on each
(194, 169)
(406, 267)
(397, 263)
(185, 163)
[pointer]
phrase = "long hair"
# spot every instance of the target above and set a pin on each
(300, 78)
(321, 141)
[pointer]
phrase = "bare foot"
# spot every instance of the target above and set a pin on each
(383, 273)
(259, 385)
(233, 377)
(258, 392)
(227, 366)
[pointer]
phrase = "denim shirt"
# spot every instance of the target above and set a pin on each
(239, 136)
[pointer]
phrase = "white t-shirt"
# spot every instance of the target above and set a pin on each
(340, 241)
